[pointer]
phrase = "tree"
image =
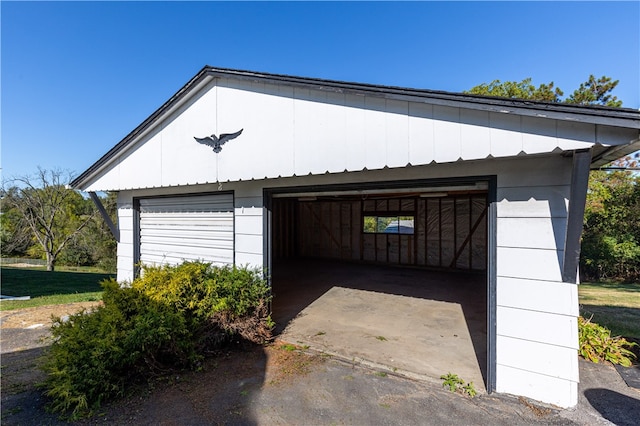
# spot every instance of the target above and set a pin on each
(591, 92)
(15, 239)
(611, 236)
(595, 92)
(53, 213)
(518, 90)
(94, 245)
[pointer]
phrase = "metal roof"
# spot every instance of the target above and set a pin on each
(620, 117)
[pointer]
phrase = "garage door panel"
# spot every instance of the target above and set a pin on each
(195, 203)
(177, 258)
(189, 252)
(176, 243)
(187, 234)
(175, 229)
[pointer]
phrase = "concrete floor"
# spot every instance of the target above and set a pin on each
(414, 322)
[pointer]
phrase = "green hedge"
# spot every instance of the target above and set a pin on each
(168, 319)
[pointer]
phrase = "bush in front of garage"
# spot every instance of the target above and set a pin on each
(169, 319)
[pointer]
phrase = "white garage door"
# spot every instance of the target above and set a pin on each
(174, 229)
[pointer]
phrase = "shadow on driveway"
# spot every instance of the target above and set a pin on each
(618, 408)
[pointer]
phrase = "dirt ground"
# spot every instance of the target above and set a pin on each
(24, 336)
(277, 386)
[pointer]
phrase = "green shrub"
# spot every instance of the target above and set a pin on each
(596, 344)
(170, 318)
(229, 299)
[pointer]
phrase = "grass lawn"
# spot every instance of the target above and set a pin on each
(65, 285)
(613, 305)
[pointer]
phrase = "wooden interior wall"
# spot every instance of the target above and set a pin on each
(284, 231)
(449, 232)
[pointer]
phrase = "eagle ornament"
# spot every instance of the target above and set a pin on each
(216, 142)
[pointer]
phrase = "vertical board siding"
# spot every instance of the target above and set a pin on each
(355, 142)
(397, 133)
(299, 131)
(268, 126)
(538, 135)
(177, 148)
(446, 133)
(506, 134)
(475, 134)
(421, 142)
(375, 133)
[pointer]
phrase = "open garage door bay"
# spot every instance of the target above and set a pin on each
(396, 279)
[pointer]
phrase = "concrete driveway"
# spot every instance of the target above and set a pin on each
(417, 323)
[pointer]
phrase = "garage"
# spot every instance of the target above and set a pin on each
(354, 269)
(460, 213)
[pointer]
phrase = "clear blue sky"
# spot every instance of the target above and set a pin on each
(79, 76)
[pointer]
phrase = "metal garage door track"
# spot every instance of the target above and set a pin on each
(414, 322)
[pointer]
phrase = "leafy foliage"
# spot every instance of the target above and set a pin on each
(596, 92)
(52, 213)
(592, 92)
(170, 318)
(451, 381)
(596, 344)
(44, 218)
(456, 384)
(519, 90)
(611, 236)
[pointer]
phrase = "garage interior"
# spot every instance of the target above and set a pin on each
(392, 278)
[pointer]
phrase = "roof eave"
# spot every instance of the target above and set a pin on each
(613, 153)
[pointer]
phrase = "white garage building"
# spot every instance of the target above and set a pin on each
(376, 174)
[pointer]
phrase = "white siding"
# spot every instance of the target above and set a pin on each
(446, 134)
(475, 134)
(527, 294)
(125, 245)
(541, 387)
(300, 131)
(538, 359)
(536, 312)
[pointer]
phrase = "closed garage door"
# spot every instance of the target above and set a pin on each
(175, 229)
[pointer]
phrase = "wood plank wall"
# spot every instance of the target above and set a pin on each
(450, 232)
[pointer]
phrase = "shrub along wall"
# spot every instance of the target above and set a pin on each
(169, 319)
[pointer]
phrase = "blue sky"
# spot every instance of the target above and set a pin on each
(76, 77)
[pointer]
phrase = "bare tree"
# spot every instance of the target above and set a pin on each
(49, 209)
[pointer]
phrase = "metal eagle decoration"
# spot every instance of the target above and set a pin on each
(216, 142)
